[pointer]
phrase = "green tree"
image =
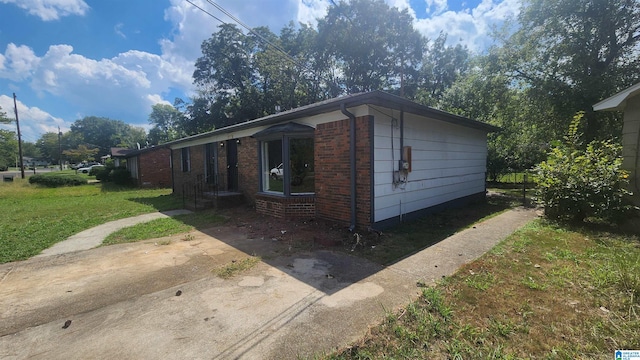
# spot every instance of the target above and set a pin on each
(8, 148)
(441, 66)
(81, 153)
(374, 46)
(167, 124)
(573, 53)
(104, 133)
(3, 117)
(30, 149)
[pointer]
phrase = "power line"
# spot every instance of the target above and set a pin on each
(266, 41)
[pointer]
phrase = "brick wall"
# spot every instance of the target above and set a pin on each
(286, 207)
(333, 192)
(154, 168)
(197, 155)
(248, 176)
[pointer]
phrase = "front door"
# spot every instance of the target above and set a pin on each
(232, 165)
(211, 163)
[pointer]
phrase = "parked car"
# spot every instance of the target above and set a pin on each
(86, 170)
(277, 172)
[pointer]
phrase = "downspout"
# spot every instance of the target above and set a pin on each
(173, 179)
(635, 168)
(352, 162)
(401, 137)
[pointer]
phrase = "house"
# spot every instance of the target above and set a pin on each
(118, 155)
(149, 167)
(364, 160)
(628, 101)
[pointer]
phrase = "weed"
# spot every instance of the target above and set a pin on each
(532, 284)
(548, 313)
(236, 267)
(480, 281)
(188, 237)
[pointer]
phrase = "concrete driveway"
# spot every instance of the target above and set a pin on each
(122, 301)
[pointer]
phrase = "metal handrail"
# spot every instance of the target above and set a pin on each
(196, 188)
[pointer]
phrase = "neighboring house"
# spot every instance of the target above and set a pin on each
(150, 167)
(628, 101)
(370, 159)
(119, 155)
(29, 161)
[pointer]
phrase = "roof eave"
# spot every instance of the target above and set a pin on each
(618, 101)
(379, 98)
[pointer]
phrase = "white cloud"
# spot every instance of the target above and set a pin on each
(18, 62)
(33, 120)
(118, 30)
(436, 6)
(48, 10)
(124, 87)
(309, 11)
(470, 27)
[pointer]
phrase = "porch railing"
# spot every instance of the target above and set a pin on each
(195, 189)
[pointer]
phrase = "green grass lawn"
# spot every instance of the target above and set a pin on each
(164, 227)
(34, 218)
(546, 292)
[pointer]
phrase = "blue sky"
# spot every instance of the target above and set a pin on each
(66, 59)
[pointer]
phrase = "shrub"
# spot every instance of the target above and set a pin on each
(57, 180)
(575, 184)
(95, 170)
(102, 173)
(121, 176)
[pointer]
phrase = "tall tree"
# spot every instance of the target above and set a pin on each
(81, 153)
(3, 117)
(225, 75)
(104, 133)
(167, 124)
(441, 66)
(8, 148)
(375, 46)
(573, 53)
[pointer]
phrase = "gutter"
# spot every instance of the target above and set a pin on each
(352, 162)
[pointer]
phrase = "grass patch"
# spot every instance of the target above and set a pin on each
(34, 217)
(236, 267)
(546, 292)
(164, 227)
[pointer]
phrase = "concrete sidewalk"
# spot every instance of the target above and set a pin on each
(286, 307)
(93, 237)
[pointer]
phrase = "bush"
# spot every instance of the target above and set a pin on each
(57, 180)
(95, 170)
(575, 184)
(101, 174)
(121, 176)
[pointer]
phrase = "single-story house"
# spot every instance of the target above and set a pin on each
(149, 167)
(628, 101)
(364, 160)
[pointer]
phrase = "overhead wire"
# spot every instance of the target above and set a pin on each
(270, 44)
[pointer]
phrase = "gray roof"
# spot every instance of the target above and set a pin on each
(379, 98)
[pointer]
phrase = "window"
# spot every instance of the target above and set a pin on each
(273, 166)
(301, 172)
(185, 159)
(286, 153)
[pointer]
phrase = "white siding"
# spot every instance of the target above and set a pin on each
(448, 162)
(132, 166)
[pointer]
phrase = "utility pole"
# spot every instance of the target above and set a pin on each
(60, 148)
(15, 110)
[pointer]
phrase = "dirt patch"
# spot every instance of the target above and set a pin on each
(40, 290)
